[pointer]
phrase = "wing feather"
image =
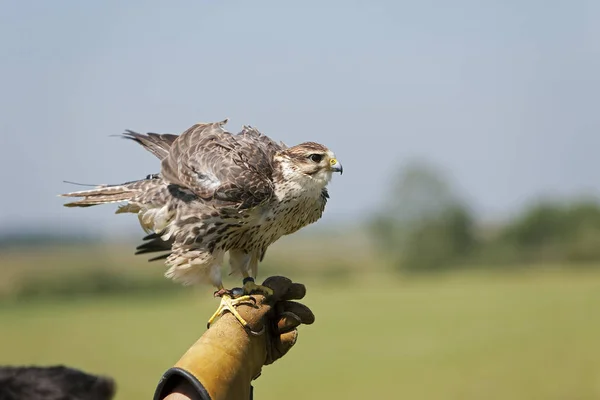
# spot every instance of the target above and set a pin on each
(234, 170)
(157, 144)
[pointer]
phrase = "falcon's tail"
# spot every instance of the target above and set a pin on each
(138, 192)
(148, 198)
(101, 195)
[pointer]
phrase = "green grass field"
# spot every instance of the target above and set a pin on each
(533, 335)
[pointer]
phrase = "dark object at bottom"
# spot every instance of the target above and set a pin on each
(53, 383)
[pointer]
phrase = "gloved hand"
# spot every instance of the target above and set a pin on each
(223, 362)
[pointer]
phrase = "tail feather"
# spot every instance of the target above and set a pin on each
(100, 195)
(157, 144)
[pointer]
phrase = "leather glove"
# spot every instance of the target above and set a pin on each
(227, 357)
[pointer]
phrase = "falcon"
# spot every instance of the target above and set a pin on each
(219, 193)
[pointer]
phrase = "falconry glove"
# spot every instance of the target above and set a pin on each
(228, 356)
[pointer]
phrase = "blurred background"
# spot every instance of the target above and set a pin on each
(458, 256)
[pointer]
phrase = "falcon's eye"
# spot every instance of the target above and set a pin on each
(316, 157)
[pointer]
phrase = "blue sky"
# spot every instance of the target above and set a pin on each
(503, 95)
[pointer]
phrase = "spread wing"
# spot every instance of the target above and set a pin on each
(233, 170)
(157, 144)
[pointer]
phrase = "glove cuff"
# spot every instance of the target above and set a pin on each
(173, 377)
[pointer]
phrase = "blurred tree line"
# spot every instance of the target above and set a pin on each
(425, 225)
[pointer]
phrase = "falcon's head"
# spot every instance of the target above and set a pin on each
(309, 163)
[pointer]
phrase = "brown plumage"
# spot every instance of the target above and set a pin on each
(157, 144)
(219, 192)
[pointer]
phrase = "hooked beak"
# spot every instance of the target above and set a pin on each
(335, 166)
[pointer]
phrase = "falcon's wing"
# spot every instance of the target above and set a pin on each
(157, 144)
(217, 166)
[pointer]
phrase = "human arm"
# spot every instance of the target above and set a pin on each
(227, 357)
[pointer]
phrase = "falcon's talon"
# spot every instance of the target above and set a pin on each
(251, 287)
(228, 304)
(222, 292)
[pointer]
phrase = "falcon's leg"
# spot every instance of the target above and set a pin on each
(247, 264)
(228, 303)
(251, 287)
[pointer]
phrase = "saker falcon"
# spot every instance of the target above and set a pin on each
(219, 192)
